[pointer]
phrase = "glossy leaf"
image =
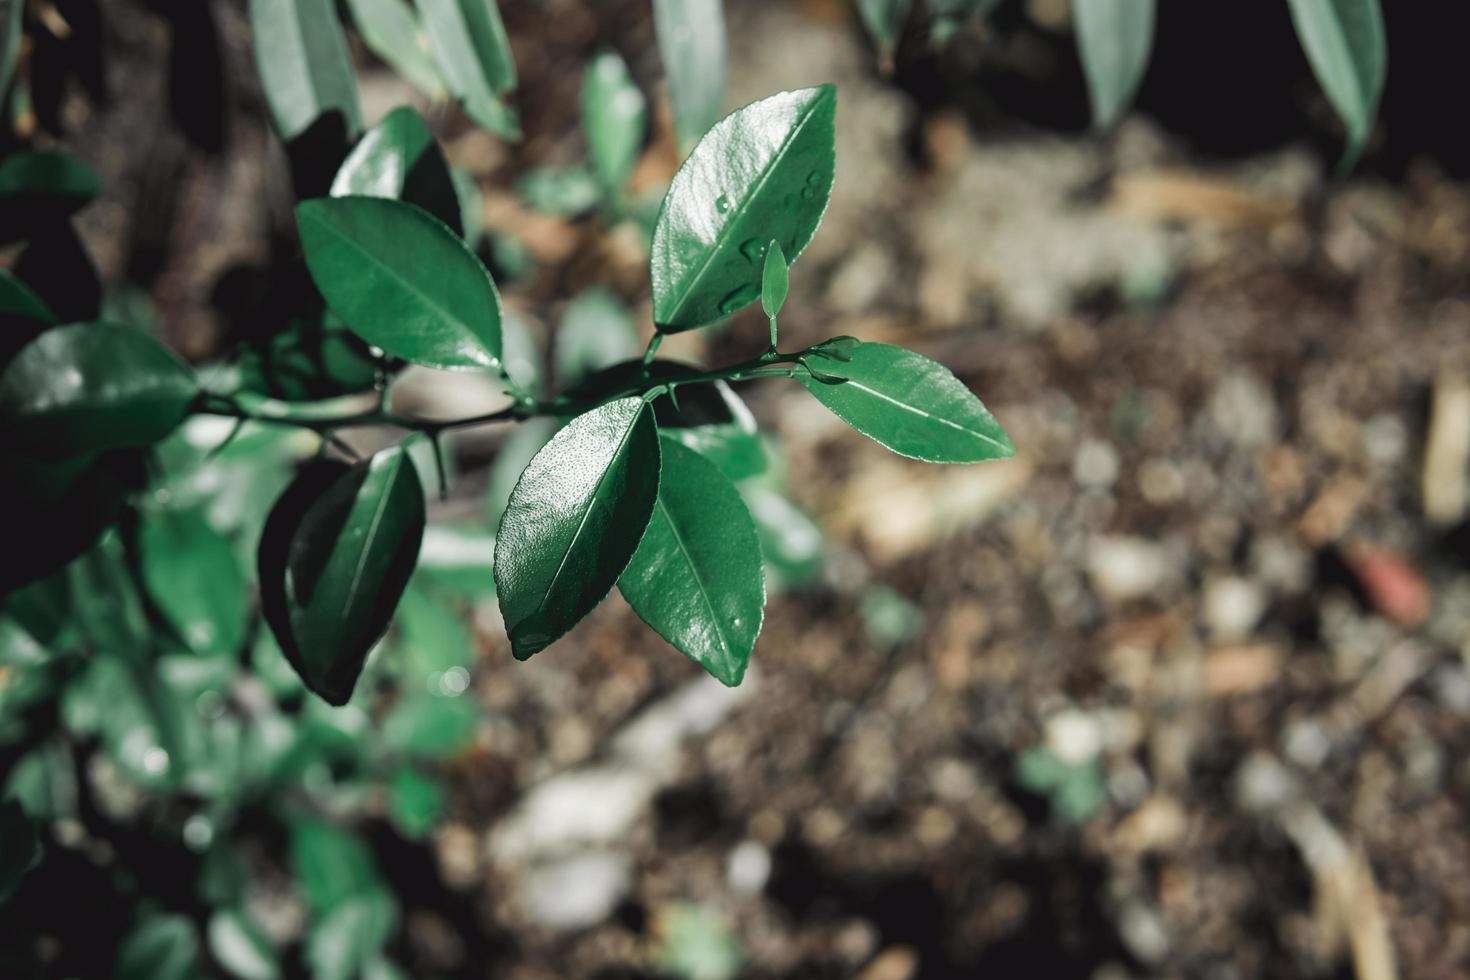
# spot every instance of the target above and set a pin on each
(727, 436)
(615, 118)
(399, 159)
(1344, 40)
(775, 280)
(392, 31)
(302, 58)
(764, 172)
(1114, 38)
(595, 332)
(335, 556)
(691, 42)
(92, 386)
(161, 947)
(696, 577)
(910, 404)
(884, 20)
(17, 300)
(240, 947)
(402, 281)
(514, 456)
(574, 520)
(193, 575)
(474, 56)
(20, 848)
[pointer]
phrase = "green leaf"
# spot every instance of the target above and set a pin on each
(574, 521)
(910, 404)
(1344, 40)
(302, 58)
(474, 56)
(39, 188)
(335, 557)
(392, 32)
(791, 542)
(92, 386)
(615, 118)
(460, 558)
(514, 455)
(241, 947)
(193, 574)
(18, 300)
(331, 864)
(351, 935)
(433, 635)
(161, 947)
(884, 21)
(696, 577)
(20, 848)
(764, 172)
(1114, 38)
(415, 802)
(430, 727)
(691, 42)
(727, 438)
(595, 332)
(774, 280)
(402, 281)
(399, 159)
(563, 191)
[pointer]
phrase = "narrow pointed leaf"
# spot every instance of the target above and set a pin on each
(1114, 38)
(615, 118)
(17, 300)
(910, 404)
(302, 58)
(764, 172)
(574, 520)
(696, 577)
(90, 386)
(775, 280)
(1344, 40)
(391, 30)
(402, 281)
(884, 21)
(193, 575)
(692, 44)
(399, 159)
(474, 56)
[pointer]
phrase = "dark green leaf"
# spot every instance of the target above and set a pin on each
(303, 63)
(391, 30)
(334, 559)
(415, 802)
(727, 438)
(241, 947)
(193, 575)
(764, 172)
(92, 386)
(910, 404)
(474, 56)
(314, 357)
(574, 520)
(400, 160)
(1344, 41)
(564, 191)
(885, 20)
(595, 332)
(402, 281)
(514, 455)
(696, 577)
(331, 864)
(1114, 38)
(615, 117)
(18, 300)
(20, 848)
(775, 280)
(40, 188)
(351, 935)
(58, 510)
(161, 947)
(691, 42)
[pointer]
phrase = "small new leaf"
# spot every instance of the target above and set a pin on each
(910, 404)
(402, 280)
(473, 53)
(1114, 39)
(1344, 40)
(775, 280)
(573, 521)
(302, 57)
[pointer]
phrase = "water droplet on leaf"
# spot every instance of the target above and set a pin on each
(722, 204)
(754, 249)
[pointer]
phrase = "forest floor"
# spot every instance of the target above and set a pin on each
(1183, 690)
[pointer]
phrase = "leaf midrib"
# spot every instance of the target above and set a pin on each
(444, 312)
(928, 415)
(743, 209)
(367, 544)
(698, 580)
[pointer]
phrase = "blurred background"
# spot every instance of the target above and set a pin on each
(1181, 690)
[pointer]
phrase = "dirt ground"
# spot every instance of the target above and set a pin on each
(1181, 691)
